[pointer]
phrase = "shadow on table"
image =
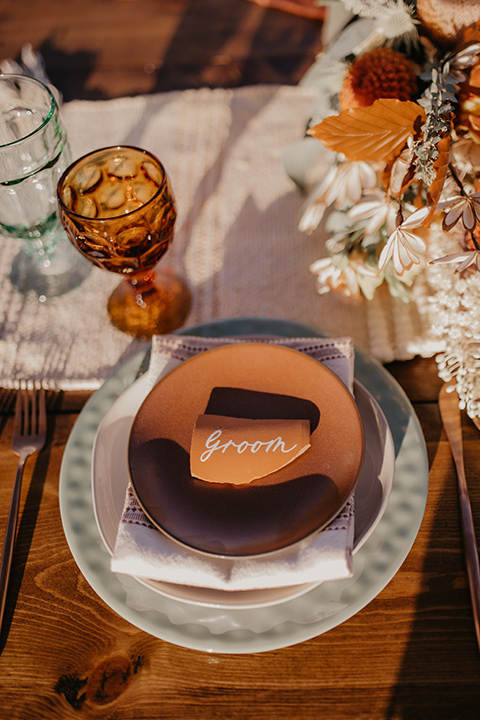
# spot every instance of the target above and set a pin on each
(282, 47)
(70, 72)
(214, 44)
(27, 521)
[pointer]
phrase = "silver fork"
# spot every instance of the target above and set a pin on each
(29, 434)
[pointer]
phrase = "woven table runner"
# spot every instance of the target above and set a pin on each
(236, 242)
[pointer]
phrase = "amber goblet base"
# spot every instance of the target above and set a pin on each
(150, 304)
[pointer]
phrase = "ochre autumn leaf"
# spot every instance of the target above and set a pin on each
(376, 133)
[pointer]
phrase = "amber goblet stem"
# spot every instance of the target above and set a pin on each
(147, 303)
(142, 282)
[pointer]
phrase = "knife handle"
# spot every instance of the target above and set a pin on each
(471, 554)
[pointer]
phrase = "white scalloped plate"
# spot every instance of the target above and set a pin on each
(110, 479)
(259, 629)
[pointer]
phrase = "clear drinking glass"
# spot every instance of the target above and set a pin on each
(34, 152)
(118, 209)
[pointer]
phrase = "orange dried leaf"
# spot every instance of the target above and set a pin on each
(376, 133)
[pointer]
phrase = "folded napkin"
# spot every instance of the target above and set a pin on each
(143, 551)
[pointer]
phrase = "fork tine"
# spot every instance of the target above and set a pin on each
(42, 415)
(30, 412)
(29, 436)
(31, 417)
(19, 404)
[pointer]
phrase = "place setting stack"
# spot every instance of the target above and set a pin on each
(239, 473)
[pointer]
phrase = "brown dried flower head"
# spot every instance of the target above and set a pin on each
(379, 73)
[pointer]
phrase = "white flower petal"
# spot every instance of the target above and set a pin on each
(404, 248)
(466, 263)
(317, 195)
(324, 185)
(401, 259)
(386, 253)
(336, 192)
(376, 221)
(368, 176)
(455, 257)
(407, 254)
(391, 219)
(354, 185)
(352, 282)
(364, 210)
(466, 57)
(415, 242)
(311, 217)
(464, 259)
(320, 265)
(417, 218)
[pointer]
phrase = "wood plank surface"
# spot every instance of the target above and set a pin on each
(108, 48)
(410, 653)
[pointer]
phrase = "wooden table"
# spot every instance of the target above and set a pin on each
(410, 653)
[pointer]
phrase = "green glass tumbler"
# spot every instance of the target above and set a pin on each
(34, 152)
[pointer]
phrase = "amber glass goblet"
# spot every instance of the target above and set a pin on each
(118, 210)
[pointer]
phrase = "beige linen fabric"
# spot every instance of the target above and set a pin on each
(236, 240)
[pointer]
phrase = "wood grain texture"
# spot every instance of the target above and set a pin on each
(108, 48)
(64, 654)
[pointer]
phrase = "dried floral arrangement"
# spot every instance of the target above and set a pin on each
(405, 148)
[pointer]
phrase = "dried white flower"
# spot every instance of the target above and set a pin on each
(464, 207)
(393, 19)
(350, 279)
(466, 154)
(404, 246)
(378, 209)
(331, 277)
(341, 185)
(351, 179)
